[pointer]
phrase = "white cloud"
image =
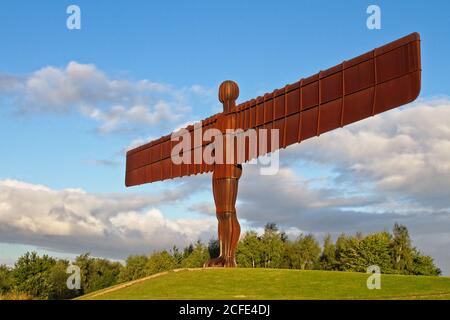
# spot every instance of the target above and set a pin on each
(76, 221)
(116, 104)
(202, 91)
(59, 88)
(402, 154)
(119, 117)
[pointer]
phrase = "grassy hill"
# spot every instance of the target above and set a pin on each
(274, 284)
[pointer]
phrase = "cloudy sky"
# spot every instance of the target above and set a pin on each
(73, 101)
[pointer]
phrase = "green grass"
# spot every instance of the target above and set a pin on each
(275, 284)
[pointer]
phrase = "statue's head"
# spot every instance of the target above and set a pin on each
(228, 93)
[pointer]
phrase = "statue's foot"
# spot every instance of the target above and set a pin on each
(220, 262)
(230, 263)
(216, 262)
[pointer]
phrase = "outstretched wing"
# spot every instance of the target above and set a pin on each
(379, 80)
(152, 162)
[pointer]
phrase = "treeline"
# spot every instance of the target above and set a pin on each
(392, 253)
(45, 277)
(35, 277)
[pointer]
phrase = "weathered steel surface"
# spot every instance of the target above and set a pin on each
(379, 80)
(225, 181)
(225, 191)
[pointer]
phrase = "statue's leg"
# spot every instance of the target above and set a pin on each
(236, 227)
(225, 188)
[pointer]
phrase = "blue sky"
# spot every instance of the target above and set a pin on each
(260, 45)
(188, 47)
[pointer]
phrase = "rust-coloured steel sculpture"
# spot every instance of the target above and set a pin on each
(384, 78)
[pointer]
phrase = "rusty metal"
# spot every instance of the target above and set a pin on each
(379, 80)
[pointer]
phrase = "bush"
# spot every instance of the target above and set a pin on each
(159, 262)
(97, 273)
(31, 275)
(135, 268)
(6, 279)
(424, 265)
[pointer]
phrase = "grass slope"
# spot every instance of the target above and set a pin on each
(274, 284)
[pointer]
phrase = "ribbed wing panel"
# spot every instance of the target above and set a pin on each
(377, 81)
(382, 79)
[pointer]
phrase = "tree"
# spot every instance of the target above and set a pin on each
(402, 251)
(358, 253)
(106, 274)
(31, 275)
(159, 262)
(135, 268)
(177, 255)
(272, 247)
(424, 265)
(97, 273)
(188, 250)
(374, 249)
(328, 256)
(197, 257)
(288, 257)
(214, 248)
(271, 227)
(6, 279)
(306, 252)
(346, 252)
(57, 278)
(249, 253)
